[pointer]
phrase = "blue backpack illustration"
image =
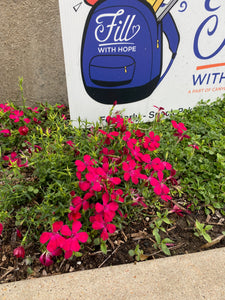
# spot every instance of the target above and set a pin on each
(121, 54)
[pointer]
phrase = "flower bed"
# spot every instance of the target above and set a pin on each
(107, 190)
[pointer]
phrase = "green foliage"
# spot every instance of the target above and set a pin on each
(200, 230)
(201, 172)
(38, 195)
(137, 252)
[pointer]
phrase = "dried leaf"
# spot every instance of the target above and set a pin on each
(139, 235)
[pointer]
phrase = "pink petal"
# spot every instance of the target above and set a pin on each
(97, 225)
(76, 226)
(53, 244)
(111, 228)
(113, 206)
(84, 185)
(104, 234)
(154, 181)
(57, 226)
(82, 237)
(157, 190)
(99, 207)
(45, 237)
(68, 254)
(66, 230)
(75, 246)
(126, 176)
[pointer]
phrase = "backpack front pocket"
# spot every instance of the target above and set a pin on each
(111, 70)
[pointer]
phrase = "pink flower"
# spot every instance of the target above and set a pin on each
(23, 130)
(137, 199)
(18, 233)
(70, 143)
(99, 224)
(81, 166)
(152, 142)
(78, 202)
(54, 238)
(6, 132)
(15, 115)
(178, 211)
(179, 127)
(26, 120)
(194, 146)
(36, 121)
(61, 106)
(109, 136)
(107, 208)
(131, 172)
(5, 107)
(35, 109)
(160, 188)
(1, 228)
(71, 244)
(13, 159)
(19, 252)
(46, 259)
(94, 180)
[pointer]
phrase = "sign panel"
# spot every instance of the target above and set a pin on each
(142, 53)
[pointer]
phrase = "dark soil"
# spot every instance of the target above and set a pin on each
(138, 232)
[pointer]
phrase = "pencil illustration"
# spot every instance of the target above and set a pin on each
(157, 4)
(151, 2)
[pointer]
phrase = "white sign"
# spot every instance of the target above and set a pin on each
(142, 53)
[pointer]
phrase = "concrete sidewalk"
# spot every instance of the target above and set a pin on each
(192, 276)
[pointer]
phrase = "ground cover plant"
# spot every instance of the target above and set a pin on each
(73, 198)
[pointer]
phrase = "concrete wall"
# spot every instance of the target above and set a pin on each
(31, 46)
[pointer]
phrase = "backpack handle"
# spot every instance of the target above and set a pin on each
(173, 37)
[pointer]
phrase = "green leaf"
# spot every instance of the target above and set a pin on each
(131, 252)
(207, 237)
(167, 240)
(165, 249)
(104, 248)
(78, 254)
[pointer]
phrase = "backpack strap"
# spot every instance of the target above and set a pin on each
(173, 37)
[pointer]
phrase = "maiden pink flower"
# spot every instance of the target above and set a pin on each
(18, 233)
(131, 172)
(71, 244)
(35, 109)
(19, 252)
(26, 120)
(78, 202)
(152, 142)
(109, 136)
(194, 147)
(46, 259)
(179, 126)
(54, 238)
(1, 228)
(23, 130)
(160, 188)
(99, 223)
(15, 115)
(107, 208)
(36, 121)
(81, 166)
(6, 132)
